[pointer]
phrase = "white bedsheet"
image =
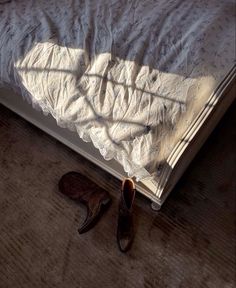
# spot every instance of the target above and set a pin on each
(127, 75)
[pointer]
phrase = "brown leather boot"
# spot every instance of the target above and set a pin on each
(79, 187)
(125, 230)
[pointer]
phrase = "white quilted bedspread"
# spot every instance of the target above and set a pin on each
(119, 72)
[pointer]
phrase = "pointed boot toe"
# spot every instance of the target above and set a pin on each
(95, 210)
(124, 244)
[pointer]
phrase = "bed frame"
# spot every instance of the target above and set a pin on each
(177, 162)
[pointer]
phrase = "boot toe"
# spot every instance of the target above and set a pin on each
(124, 244)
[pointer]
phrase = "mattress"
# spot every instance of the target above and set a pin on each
(129, 76)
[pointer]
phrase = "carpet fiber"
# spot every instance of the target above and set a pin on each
(189, 243)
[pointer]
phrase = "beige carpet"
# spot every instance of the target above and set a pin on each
(189, 243)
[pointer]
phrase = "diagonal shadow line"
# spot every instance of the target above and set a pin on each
(101, 119)
(102, 77)
(136, 88)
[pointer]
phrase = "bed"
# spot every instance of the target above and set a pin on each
(138, 85)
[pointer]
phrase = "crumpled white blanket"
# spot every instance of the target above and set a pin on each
(122, 73)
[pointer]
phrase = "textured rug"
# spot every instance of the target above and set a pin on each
(189, 243)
